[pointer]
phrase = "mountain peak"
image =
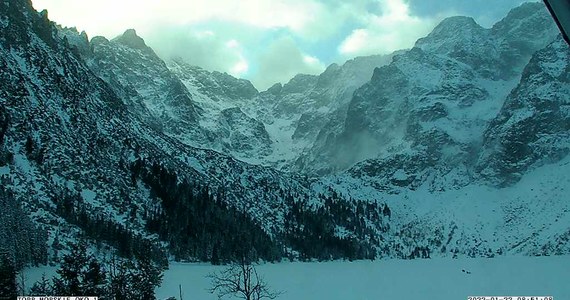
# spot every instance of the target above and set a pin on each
(458, 20)
(450, 33)
(131, 39)
(526, 20)
(455, 25)
(525, 10)
(299, 83)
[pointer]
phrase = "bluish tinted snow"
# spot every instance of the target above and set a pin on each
(441, 279)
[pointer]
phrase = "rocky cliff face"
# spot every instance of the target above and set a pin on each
(533, 125)
(185, 102)
(434, 101)
(467, 134)
(296, 112)
(430, 131)
(69, 138)
(274, 127)
(499, 189)
(224, 122)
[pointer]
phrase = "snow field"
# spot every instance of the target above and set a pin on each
(441, 279)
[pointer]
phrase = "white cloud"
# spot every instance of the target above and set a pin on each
(240, 68)
(208, 49)
(110, 17)
(102, 17)
(395, 28)
(310, 19)
(204, 34)
(310, 59)
(223, 35)
(232, 44)
(239, 55)
(281, 61)
(244, 37)
(355, 42)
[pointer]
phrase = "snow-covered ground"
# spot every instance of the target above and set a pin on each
(441, 279)
(519, 219)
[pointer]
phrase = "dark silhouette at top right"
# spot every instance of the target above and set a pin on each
(560, 11)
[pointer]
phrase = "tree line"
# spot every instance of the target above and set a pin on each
(22, 243)
(334, 229)
(198, 223)
(101, 228)
(82, 274)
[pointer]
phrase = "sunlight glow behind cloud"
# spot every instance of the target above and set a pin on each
(393, 30)
(266, 41)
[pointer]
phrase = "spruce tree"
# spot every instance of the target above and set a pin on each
(71, 272)
(8, 286)
(130, 280)
(79, 274)
(42, 287)
(146, 277)
(119, 286)
(94, 279)
(387, 211)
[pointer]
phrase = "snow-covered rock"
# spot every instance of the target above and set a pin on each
(423, 130)
(428, 109)
(533, 126)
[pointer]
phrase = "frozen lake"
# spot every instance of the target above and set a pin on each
(440, 279)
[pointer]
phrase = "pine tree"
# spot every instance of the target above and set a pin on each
(215, 256)
(146, 277)
(130, 280)
(387, 211)
(94, 279)
(42, 287)
(29, 146)
(119, 280)
(19, 238)
(71, 271)
(8, 286)
(79, 274)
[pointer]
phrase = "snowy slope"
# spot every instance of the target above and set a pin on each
(224, 101)
(426, 131)
(531, 217)
(430, 106)
(67, 134)
(213, 110)
(533, 125)
(295, 112)
(275, 126)
(188, 103)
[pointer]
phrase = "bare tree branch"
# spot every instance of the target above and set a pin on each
(241, 280)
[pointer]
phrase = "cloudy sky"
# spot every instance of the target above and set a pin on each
(269, 41)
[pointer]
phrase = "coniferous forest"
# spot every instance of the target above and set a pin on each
(116, 161)
(198, 224)
(189, 222)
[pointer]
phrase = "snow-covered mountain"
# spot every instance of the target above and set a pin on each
(213, 110)
(533, 126)
(427, 110)
(483, 170)
(78, 151)
(198, 107)
(223, 99)
(216, 111)
(456, 135)
(524, 152)
(295, 112)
